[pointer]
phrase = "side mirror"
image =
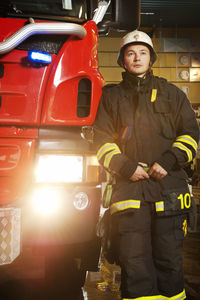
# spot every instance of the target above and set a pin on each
(122, 15)
(92, 5)
(126, 14)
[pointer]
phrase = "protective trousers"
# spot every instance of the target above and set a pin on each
(148, 249)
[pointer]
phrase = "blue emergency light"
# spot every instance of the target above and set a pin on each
(39, 57)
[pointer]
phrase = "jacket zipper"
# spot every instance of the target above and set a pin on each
(138, 85)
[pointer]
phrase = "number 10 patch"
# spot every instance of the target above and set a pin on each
(185, 200)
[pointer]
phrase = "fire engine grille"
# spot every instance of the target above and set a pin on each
(84, 98)
(44, 43)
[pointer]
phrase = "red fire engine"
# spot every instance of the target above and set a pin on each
(50, 87)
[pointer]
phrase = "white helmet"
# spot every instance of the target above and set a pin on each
(136, 37)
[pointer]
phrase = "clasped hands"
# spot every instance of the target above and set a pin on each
(155, 171)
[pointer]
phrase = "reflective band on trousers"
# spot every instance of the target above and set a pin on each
(158, 297)
(184, 148)
(187, 139)
(123, 205)
(180, 296)
(160, 206)
(107, 147)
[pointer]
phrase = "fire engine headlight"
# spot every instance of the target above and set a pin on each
(46, 200)
(59, 168)
(66, 168)
(81, 201)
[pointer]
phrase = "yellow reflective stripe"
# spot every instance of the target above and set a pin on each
(184, 227)
(153, 95)
(106, 148)
(180, 296)
(159, 206)
(184, 148)
(123, 205)
(109, 156)
(188, 140)
(157, 297)
(108, 176)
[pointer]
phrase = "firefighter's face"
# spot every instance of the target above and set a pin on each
(137, 59)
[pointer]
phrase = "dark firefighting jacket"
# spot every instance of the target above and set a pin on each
(146, 120)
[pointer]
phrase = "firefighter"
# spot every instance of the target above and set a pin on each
(146, 133)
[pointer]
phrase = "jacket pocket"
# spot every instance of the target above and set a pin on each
(175, 202)
(162, 111)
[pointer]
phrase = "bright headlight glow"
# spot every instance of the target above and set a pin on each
(46, 200)
(59, 168)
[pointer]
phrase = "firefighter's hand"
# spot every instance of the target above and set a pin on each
(157, 172)
(139, 173)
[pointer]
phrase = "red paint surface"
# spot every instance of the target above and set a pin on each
(34, 97)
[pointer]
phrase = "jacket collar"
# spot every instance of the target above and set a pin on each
(131, 81)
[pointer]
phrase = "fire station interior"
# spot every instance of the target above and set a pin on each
(175, 30)
(178, 61)
(178, 49)
(174, 26)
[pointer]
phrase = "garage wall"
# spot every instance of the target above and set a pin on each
(178, 58)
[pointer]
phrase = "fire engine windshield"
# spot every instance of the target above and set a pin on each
(56, 9)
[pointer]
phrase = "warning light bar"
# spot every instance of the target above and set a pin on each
(39, 57)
